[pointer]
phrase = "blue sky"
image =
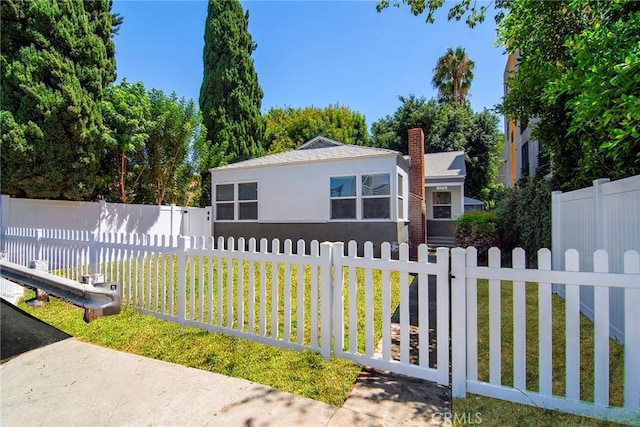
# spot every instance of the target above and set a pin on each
(310, 52)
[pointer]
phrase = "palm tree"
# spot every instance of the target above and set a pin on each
(453, 75)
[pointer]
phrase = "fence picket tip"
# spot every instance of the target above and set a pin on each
(275, 246)
(368, 249)
(352, 249)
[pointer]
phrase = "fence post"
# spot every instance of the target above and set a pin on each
(556, 234)
(38, 247)
(443, 309)
(94, 253)
(337, 252)
(601, 238)
(5, 201)
(458, 323)
(184, 244)
(326, 312)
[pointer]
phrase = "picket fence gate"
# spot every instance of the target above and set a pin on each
(319, 298)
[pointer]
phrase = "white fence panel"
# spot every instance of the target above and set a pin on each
(405, 342)
(101, 217)
(496, 280)
(605, 216)
(258, 294)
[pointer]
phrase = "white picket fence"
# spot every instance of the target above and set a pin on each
(311, 297)
(465, 340)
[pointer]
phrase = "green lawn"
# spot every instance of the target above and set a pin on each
(498, 412)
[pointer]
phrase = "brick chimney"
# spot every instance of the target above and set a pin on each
(417, 205)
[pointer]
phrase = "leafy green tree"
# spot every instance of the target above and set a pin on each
(172, 152)
(288, 128)
(577, 74)
(602, 90)
(57, 58)
(453, 75)
(446, 127)
(472, 12)
(125, 108)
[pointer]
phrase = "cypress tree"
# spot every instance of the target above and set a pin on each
(230, 96)
(57, 59)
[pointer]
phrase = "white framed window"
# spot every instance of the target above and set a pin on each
(401, 197)
(248, 201)
(343, 197)
(366, 196)
(441, 203)
(376, 196)
(225, 202)
(236, 201)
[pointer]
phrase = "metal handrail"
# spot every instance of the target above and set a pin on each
(99, 299)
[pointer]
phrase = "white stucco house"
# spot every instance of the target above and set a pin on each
(329, 191)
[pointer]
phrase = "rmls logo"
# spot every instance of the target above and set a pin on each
(463, 418)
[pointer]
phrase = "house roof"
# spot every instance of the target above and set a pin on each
(317, 149)
(472, 201)
(445, 165)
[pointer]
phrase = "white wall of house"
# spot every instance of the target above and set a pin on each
(457, 199)
(301, 192)
(103, 217)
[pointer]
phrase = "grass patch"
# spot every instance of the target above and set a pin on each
(499, 412)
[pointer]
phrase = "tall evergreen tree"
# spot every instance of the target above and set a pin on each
(230, 96)
(452, 76)
(57, 59)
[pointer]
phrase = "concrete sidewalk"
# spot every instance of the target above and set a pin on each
(74, 383)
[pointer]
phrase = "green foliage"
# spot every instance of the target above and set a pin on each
(57, 59)
(467, 9)
(578, 73)
(155, 143)
(288, 128)
(602, 86)
(172, 152)
(446, 127)
(524, 216)
(478, 229)
(230, 96)
(453, 75)
(126, 108)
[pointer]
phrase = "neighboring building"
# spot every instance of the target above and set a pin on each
(471, 204)
(444, 184)
(521, 155)
(329, 191)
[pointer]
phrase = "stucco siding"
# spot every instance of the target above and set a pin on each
(361, 231)
(439, 228)
(300, 192)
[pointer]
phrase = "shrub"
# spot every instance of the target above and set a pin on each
(478, 229)
(524, 216)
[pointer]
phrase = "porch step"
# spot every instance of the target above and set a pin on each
(441, 241)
